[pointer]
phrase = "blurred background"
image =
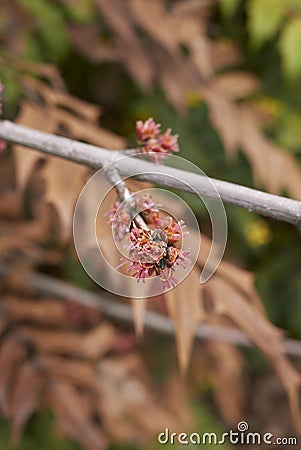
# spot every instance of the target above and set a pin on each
(223, 74)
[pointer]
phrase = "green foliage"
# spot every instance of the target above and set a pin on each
(12, 91)
(81, 11)
(294, 5)
(265, 17)
(289, 46)
(51, 30)
(288, 131)
(229, 7)
(280, 19)
(278, 279)
(39, 434)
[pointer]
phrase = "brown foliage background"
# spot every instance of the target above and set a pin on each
(89, 369)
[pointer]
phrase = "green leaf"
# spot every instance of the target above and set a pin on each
(289, 46)
(81, 11)
(264, 19)
(288, 131)
(228, 7)
(294, 5)
(52, 35)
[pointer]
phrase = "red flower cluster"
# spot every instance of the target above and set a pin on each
(121, 217)
(155, 247)
(152, 142)
(155, 251)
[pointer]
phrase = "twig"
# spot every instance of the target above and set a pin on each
(48, 285)
(123, 193)
(113, 177)
(269, 205)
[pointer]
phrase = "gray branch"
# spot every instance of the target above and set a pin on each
(276, 207)
(120, 311)
(112, 175)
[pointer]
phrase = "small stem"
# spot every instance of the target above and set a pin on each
(123, 193)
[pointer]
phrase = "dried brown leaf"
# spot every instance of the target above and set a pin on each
(126, 41)
(10, 205)
(35, 117)
(45, 312)
(184, 307)
(57, 98)
(191, 31)
(86, 131)
(226, 372)
(25, 399)
(153, 18)
(80, 373)
(74, 416)
(266, 336)
(24, 233)
(241, 280)
(283, 170)
(177, 77)
(240, 126)
(47, 71)
(236, 85)
(225, 117)
(177, 394)
(12, 355)
(90, 345)
(193, 7)
(65, 180)
(224, 53)
(124, 393)
(139, 307)
(87, 41)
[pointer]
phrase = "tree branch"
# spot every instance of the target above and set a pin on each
(112, 175)
(269, 205)
(48, 285)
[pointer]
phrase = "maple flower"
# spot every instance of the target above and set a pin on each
(150, 211)
(168, 142)
(139, 237)
(151, 142)
(147, 130)
(147, 204)
(119, 220)
(173, 230)
(154, 252)
(121, 217)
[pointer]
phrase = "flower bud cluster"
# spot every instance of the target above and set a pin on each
(154, 143)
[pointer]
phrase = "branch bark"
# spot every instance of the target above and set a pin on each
(48, 285)
(276, 207)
